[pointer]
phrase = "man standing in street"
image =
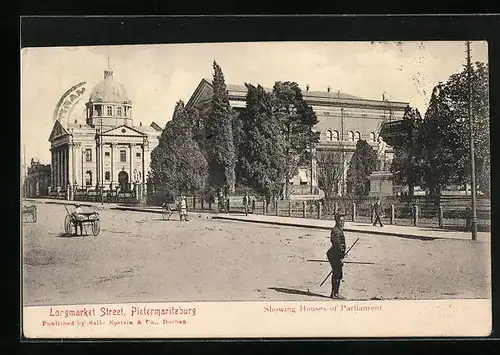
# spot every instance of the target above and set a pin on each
(79, 217)
(183, 207)
(336, 253)
(378, 212)
(246, 201)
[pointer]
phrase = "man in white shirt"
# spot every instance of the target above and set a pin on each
(183, 207)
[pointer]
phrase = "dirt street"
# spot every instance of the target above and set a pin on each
(138, 257)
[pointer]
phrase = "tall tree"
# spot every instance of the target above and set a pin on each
(330, 169)
(262, 159)
(442, 143)
(406, 164)
(362, 164)
(219, 136)
(457, 98)
(444, 134)
(297, 120)
(177, 163)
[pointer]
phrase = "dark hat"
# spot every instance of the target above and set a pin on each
(338, 215)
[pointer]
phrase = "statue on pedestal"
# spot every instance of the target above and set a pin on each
(381, 159)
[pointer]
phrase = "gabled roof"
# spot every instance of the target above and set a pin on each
(58, 130)
(123, 130)
(203, 93)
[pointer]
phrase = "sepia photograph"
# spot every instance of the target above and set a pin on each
(255, 189)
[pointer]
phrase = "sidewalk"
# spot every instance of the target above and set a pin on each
(422, 233)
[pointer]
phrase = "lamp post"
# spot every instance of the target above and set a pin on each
(472, 155)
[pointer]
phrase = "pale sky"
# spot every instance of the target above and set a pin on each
(156, 76)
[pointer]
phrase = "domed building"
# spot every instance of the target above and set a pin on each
(107, 152)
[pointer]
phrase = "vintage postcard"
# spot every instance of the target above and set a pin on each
(264, 189)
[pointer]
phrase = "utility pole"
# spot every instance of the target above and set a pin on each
(472, 155)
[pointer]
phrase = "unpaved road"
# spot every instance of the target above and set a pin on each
(138, 257)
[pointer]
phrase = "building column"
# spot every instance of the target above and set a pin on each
(77, 156)
(71, 169)
(98, 162)
(112, 172)
(58, 157)
(143, 165)
(63, 169)
(66, 166)
(72, 164)
(146, 157)
(52, 167)
(131, 175)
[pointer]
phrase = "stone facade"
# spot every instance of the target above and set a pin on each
(37, 180)
(343, 120)
(107, 151)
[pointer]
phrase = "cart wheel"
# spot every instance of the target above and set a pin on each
(96, 227)
(34, 216)
(68, 224)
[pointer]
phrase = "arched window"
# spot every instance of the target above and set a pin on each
(372, 136)
(329, 135)
(357, 137)
(335, 135)
(351, 136)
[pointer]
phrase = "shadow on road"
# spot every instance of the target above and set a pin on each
(296, 292)
(66, 235)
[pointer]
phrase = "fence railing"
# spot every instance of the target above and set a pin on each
(448, 214)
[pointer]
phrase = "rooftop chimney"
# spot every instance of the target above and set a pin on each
(383, 96)
(338, 94)
(307, 87)
(328, 89)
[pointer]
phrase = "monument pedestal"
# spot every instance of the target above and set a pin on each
(381, 183)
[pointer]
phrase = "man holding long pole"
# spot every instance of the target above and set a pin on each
(336, 253)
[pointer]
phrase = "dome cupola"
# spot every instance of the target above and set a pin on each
(109, 104)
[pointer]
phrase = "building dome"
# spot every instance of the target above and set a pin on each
(109, 90)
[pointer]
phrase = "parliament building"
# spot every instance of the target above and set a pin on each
(104, 152)
(343, 120)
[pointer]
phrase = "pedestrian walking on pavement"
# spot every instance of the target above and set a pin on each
(378, 213)
(336, 254)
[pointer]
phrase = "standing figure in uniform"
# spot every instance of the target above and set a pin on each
(336, 253)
